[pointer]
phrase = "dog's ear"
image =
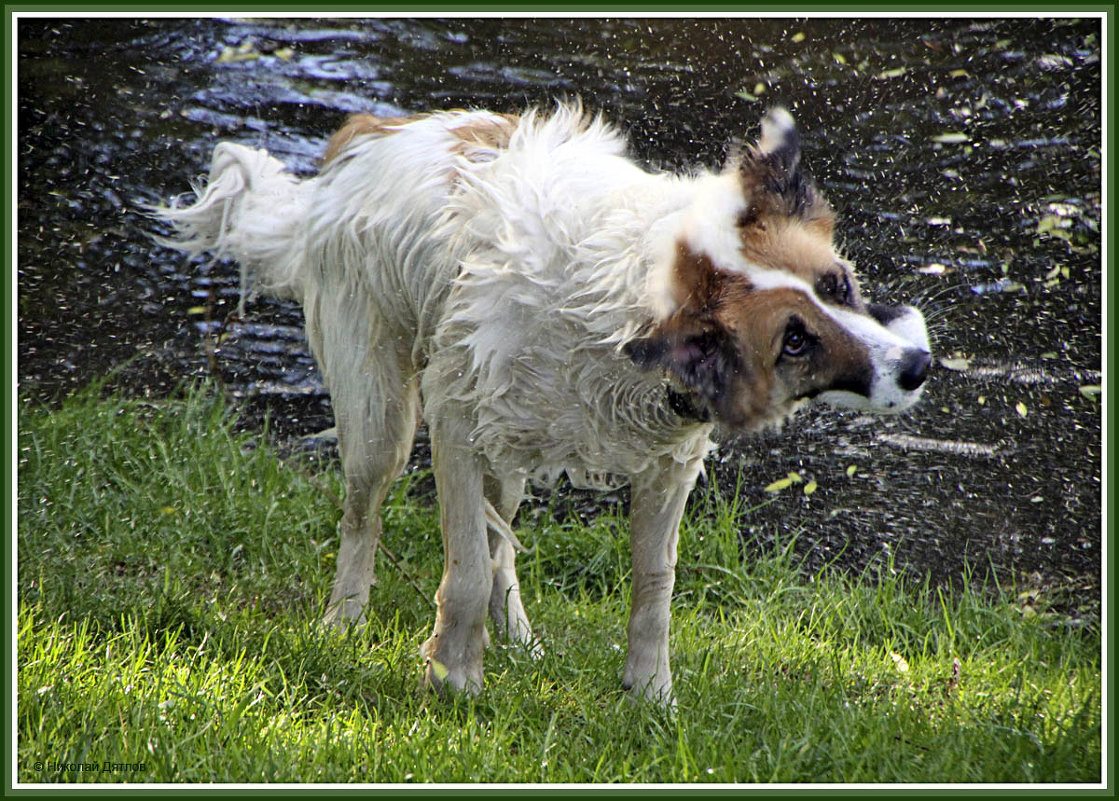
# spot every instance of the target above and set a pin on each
(774, 184)
(704, 361)
(691, 343)
(692, 286)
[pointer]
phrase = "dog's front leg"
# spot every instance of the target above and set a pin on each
(658, 498)
(453, 653)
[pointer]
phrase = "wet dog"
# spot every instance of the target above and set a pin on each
(547, 305)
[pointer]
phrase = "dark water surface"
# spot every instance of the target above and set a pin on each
(962, 155)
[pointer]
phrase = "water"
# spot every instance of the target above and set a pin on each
(962, 155)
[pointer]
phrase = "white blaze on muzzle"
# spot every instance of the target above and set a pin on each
(897, 344)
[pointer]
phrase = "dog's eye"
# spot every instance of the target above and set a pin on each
(797, 339)
(834, 286)
(748, 217)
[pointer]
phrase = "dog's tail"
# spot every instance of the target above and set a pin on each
(251, 209)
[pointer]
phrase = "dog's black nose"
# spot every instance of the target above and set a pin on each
(914, 369)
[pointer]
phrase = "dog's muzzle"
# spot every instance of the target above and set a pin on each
(900, 360)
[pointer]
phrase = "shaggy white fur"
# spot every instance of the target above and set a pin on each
(506, 286)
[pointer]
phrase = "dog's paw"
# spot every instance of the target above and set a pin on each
(444, 679)
(446, 676)
(655, 690)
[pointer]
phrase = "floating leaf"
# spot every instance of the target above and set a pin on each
(959, 364)
(196, 310)
(951, 138)
(246, 51)
(797, 37)
(1021, 409)
(1055, 225)
(1053, 61)
(810, 487)
(933, 269)
(1092, 391)
(851, 470)
(839, 59)
(1001, 285)
(784, 483)
(959, 74)
(894, 73)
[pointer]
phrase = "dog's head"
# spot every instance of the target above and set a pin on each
(755, 311)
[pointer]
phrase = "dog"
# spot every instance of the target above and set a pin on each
(547, 305)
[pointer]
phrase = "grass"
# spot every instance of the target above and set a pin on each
(171, 572)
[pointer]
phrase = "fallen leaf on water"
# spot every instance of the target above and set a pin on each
(246, 51)
(951, 138)
(783, 483)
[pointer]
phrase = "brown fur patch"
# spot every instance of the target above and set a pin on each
(803, 249)
(363, 125)
(695, 283)
(487, 134)
(475, 134)
(775, 185)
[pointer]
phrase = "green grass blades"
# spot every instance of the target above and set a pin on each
(172, 571)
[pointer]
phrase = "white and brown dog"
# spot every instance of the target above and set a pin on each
(547, 305)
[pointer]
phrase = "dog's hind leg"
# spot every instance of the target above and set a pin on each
(453, 653)
(506, 609)
(376, 414)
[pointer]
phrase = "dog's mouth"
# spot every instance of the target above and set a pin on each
(688, 405)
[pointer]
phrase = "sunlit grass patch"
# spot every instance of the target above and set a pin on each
(172, 572)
